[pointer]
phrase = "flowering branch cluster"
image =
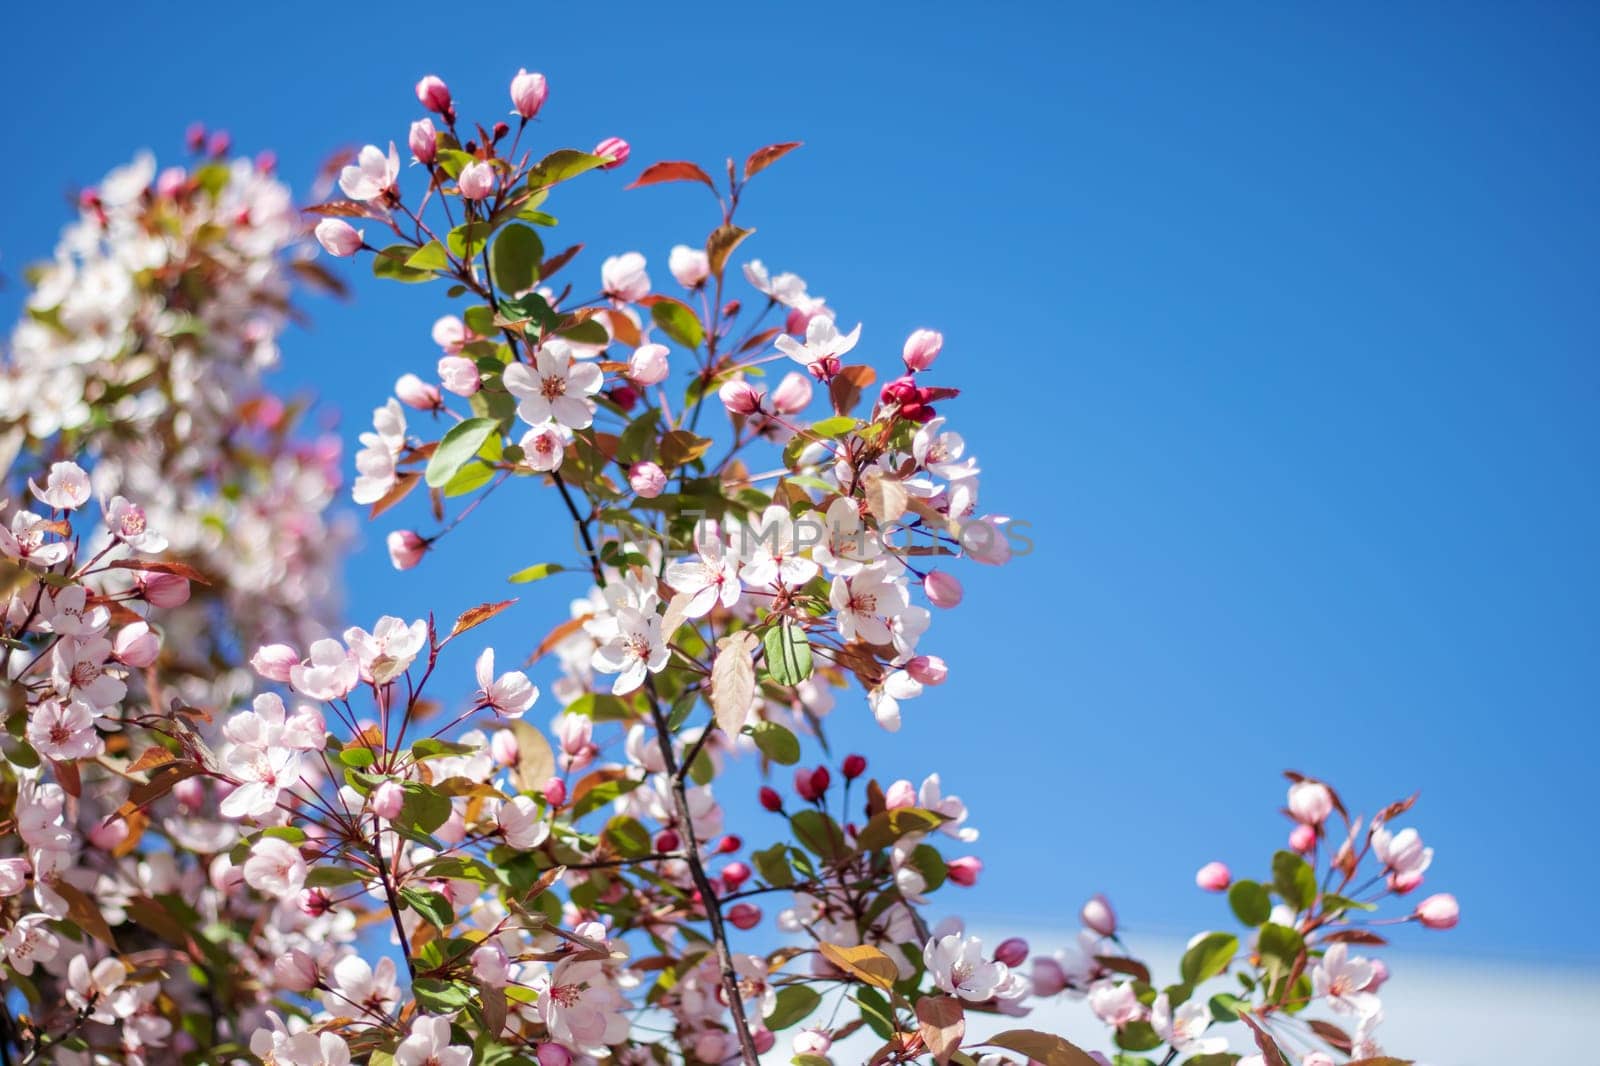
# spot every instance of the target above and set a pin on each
(446, 888)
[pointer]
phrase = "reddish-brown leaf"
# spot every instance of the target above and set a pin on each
(557, 261)
(183, 570)
(672, 170)
(1264, 1043)
(343, 209)
(401, 489)
(944, 1023)
(723, 240)
(476, 616)
(1335, 1036)
(762, 158)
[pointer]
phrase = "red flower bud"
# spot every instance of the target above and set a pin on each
(854, 766)
(770, 799)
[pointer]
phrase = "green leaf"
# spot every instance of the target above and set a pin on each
(430, 256)
(793, 1004)
(536, 572)
(330, 877)
(1294, 879)
(776, 743)
(458, 448)
(589, 331)
(434, 748)
(1226, 1007)
(475, 475)
(773, 866)
(431, 905)
(819, 834)
(530, 306)
(468, 239)
(1137, 1036)
(678, 322)
(480, 320)
(561, 165)
(357, 758)
(514, 258)
(1250, 902)
(886, 827)
(391, 263)
(441, 997)
(1279, 947)
(1332, 904)
(1210, 955)
(627, 836)
(875, 1011)
(837, 426)
(424, 809)
(788, 653)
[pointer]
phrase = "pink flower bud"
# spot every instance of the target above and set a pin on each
(1380, 974)
(406, 548)
(528, 91)
(503, 748)
(943, 590)
(170, 182)
(964, 871)
(854, 766)
(900, 794)
(744, 916)
(219, 143)
(387, 799)
(740, 397)
(1402, 883)
(1049, 978)
(1439, 911)
(648, 364)
(459, 375)
(927, 669)
(763, 1039)
(416, 393)
(734, 875)
(792, 394)
(314, 902)
(165, 590)
(1098, 916)
(612, 148)
(922, 348)
(194, 138)
(433, 94)
(424, 141)
(647, 479)
(477, 180)
(1012, 952)
(553, 1055)
(273, 661)
(136, 645)
(1214, 877)
(729, 844)
(667, 841)
(338, 237)
(296, 971)
(555, 792)
(1310, 802)
(770, 800)
(107, 835)
(624, 395)
(1302, 838)
(190, 794)
(811, 784)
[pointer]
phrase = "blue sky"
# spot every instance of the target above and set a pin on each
(1277, 323)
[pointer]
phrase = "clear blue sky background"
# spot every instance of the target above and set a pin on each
(1277, 322)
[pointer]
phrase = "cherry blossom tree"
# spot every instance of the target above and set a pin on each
(242, 835)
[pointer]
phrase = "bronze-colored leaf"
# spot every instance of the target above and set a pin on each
(476, 616)
(762, 158)
(1044, 1048)
(863, 962)
(944, 1023)
(672, 170)
(723, 240)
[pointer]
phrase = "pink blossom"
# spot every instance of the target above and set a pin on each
(1214, 877)
(338, 237)
(423, 141)
(739, 397)
(433, 94)
(477, 180)
(1439, 911)
(1098, 915)
(922, 348)
(373, 176)
(1310, 802)
(329, 673)
(689, 266)
(459, 375)
(387, 799)
(406, 548)
(964, 871)
(136, 646)
(416, 393)
(66, 487)
(623, 278)
(647, 479)
(648, 364)
(528, 92)
(275, 661)
(613, 148)
(943, 589)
